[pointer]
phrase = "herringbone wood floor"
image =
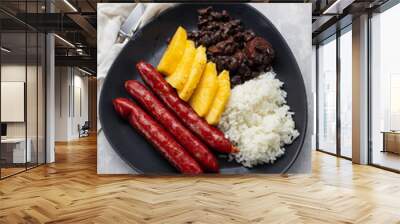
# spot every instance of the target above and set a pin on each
(70, 191)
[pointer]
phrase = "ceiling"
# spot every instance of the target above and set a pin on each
(332, 15)
(16, 42)
(75, 22)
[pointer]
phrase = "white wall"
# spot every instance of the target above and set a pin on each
(80, 110)
(12, 101)
(313, 91)
(70, 83)
(61, 103)
(50, 95)
(12, 73)
(360, 90)
(33, 126)
(16, 73)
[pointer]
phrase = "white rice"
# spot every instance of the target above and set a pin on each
(258, 121)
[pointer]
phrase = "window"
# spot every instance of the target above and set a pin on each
(394, 101)
(15, 149)
(22, 75)
(346, 93)
(326, 136)
(385, 89)
(334, 106)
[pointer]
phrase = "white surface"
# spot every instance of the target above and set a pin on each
(81, 102)
(314, 87)
(110, 17)
(12, 101)
(71, 93)
(12, 140)
(295, 27)
(61, 117)
(50, 97)
(19, 149)
(19, 155)
(360, 90)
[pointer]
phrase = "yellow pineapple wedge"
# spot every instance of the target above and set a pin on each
(174, 52)
(220, 100)
(204, 94)
(181, 73)
(198, 65)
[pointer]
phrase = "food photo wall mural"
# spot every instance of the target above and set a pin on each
(204, 88)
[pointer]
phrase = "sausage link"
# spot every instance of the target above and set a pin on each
(157, 136)
(209, 134)
(172, 124)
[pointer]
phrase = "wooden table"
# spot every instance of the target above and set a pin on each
(391, 141)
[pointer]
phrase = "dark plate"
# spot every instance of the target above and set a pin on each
(150, 42)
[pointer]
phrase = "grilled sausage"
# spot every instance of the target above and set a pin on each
(157, 136)
(172, 124)
(209, 134)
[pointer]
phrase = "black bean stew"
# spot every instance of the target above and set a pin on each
(231, 47)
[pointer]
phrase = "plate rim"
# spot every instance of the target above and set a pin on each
(136, 35)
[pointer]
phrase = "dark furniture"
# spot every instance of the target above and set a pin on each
(3, 129)
(84, 129)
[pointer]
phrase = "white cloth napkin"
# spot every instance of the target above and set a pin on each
(110, 17)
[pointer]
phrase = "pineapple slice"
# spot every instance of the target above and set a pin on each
(220, 100)
(204, 94)
(181, 73)
(174, 52)
(199, 62)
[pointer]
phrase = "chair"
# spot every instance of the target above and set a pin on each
(84, 130)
